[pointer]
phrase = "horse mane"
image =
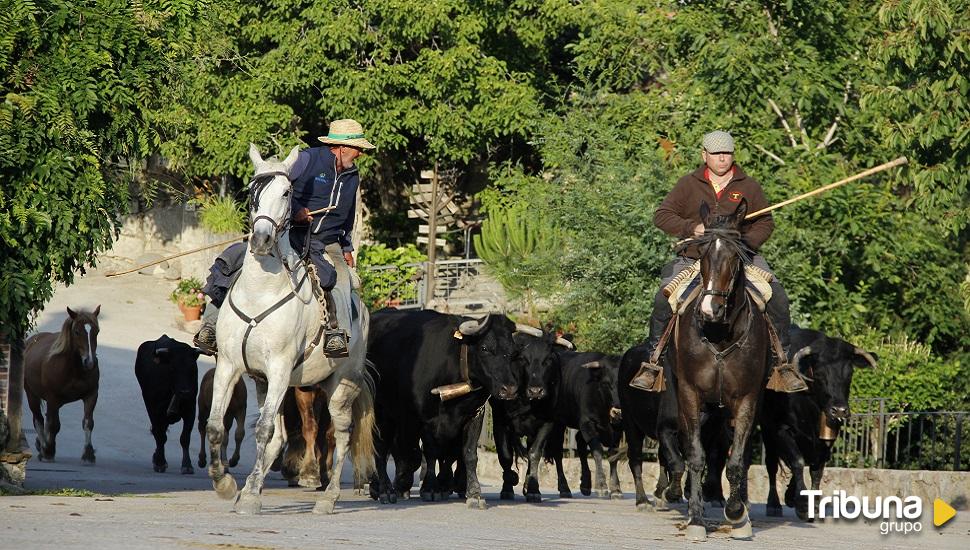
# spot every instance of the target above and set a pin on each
(63, 342)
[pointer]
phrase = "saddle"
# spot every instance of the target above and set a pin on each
(685, 286)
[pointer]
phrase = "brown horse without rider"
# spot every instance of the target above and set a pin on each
(61, 368)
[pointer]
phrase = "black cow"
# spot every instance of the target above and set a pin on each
(791, 422)
(415, 352)
(236, 411)
(532, 413)
(168, 375)
(588, 402)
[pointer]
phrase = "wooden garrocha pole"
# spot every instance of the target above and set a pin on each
(200, 249)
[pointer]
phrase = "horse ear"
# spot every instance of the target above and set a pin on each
(742, 211)
(71, 313)
(97, 310)
(705, 211)
(291, 159)
(254, 154)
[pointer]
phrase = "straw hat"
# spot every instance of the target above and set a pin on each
(347, 132)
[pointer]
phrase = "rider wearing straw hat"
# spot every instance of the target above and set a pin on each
(325, 177)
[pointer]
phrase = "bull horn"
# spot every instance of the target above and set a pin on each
(592, 365)
(564, 343)
(471, 328)
(526, 329)
(799, 355)
(868, 357)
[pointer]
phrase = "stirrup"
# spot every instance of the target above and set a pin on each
(650, 377)
(205, 339)
(335, 343)
(785, 379)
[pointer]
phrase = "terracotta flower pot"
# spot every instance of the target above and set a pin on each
(191, 313)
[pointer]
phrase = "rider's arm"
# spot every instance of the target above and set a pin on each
(347, 228)
(668, 216)
(757, 230)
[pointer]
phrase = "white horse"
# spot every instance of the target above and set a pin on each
(271, 322)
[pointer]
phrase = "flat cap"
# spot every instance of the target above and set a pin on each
(718, 141)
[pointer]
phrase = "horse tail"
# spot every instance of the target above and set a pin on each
(365, 425)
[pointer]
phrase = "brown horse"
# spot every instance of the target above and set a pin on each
(61, 368)
(721, 361)
(310, 442)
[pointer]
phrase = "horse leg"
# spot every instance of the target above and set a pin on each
(239, 434)
(225, 379)
(186, 438)
(716, 453)
(340, 405)
(88, 425)
(53, 427)
(690, 423)
(269, 437)
(309, 474)
(472, 433)
(37, 412)
(326, 461)
(737, 468)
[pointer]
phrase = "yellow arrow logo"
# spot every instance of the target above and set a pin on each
(942, 512)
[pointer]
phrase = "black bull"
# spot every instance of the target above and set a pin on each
(414, 352)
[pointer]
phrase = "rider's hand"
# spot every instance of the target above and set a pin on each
(699, 230)
(302, 216)
(349, 258)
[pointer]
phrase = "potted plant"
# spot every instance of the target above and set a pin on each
(188, 296)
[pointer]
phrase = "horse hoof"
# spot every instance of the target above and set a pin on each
(160, 468)
(225, 487)
(292, 483)
(742, 531)
(187, 470)
(696, 533)
(585, 491)
(662, 505)
(201, 463)
(324, 507)
(736, 514)
(602, 493)
(565, 494)
(802, 514)
(506, 495)
(233, 461)
(248, 505)
(616, 495)
(85, 460)
(475, 503)
(773, 511)
(310, 482)
(645, 506)
(533, 497)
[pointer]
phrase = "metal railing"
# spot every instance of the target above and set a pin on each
(408, 291)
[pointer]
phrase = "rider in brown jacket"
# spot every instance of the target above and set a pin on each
(721, 184)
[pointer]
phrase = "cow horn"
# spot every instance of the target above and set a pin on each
(592, 365)
(564, 343)
(868, 356)
(526, 329)
(471, 328)
(799, 355)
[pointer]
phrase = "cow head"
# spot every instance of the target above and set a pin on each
(179, 362)
(536, 360)
(490, 354)
(830, 362)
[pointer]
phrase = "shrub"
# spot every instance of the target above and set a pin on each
(381, 287)
(222, 214)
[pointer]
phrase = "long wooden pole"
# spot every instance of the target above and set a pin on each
(199, 249)
(891, 164)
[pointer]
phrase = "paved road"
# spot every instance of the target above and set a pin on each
(142, 509)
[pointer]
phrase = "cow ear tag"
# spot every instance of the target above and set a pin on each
(458, 335)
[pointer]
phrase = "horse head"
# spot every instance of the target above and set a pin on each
(80, 333)
(269, 203)
(722, 260)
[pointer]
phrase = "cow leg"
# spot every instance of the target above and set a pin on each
(269, 437)
(674, 463)
(585, 475)
(429, 480)
(503, 448)
(444, 479)
(309, 469)
(187, 421)
(223, 382)
(160, 433)
(203, 420)
(381, 488)
(37, 412)
(591, 435)
(773, 505)
(554, 446)
(634, 444)
(536, 448)
(340, 405)
(789, 452)
(472, 433)
(615, 491)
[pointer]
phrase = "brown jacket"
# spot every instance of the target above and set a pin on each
(679, 212)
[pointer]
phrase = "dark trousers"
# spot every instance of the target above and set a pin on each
(777, 308)
(325, 270)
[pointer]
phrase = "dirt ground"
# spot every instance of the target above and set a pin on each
(122, 503)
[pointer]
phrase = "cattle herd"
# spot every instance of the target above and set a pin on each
(434, 381)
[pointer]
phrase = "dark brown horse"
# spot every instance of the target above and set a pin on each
(308, 456)
(721, 361)
(61, 368)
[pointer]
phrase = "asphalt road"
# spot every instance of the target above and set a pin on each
(136, 507)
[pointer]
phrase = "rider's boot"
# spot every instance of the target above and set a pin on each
(205, 339)
(334, 338)
(650, 376)
(784, 378)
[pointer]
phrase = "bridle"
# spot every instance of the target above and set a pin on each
(733, 239)
(256, 188)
